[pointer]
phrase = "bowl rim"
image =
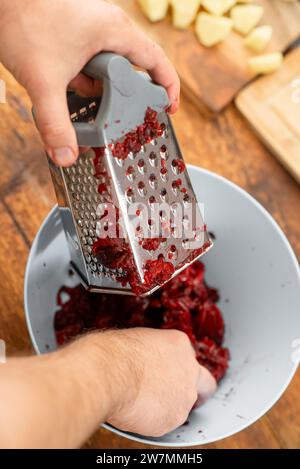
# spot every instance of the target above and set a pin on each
(283, 387)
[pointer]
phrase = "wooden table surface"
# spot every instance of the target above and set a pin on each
(224, 144)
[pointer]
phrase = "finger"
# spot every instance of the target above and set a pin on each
(132, 43)
(206, 386)
(54, 124)
(85, 86)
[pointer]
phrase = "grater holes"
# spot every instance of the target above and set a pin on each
(88, 258)
(131, 155)
(164, 174)
(176, 186)
(152, 201)
(130, 173)
(153, 181)
(164, 130)
(162, 215)
(151, 224)
(178, 166)
(186, 199)
(153, 159)
(164, 194)
(172, 253)
(120, 162)
(139, 233)
(174, 232)
(142, 189)
(130, 195)
(141, 166)
(164, 152)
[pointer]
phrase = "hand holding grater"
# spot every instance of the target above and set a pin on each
(127, 205)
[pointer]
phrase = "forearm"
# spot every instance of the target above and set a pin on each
(59, 399)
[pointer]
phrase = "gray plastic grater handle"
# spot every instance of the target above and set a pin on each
(126, 96)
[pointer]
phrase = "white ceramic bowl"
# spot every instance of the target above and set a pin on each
(256, 271)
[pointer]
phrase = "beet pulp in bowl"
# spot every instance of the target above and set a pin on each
(257, 274)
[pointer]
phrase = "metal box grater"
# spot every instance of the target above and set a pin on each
(151, 182)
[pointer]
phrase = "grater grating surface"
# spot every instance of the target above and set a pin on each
(142, 204)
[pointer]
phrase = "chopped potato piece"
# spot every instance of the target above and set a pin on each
(155, 10)
(259, 38)
(184, 12)
(212, 29)
(267, 63)
(246, 17)
(218, 7)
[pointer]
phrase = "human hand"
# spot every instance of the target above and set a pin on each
(46, 43)
(154, 379)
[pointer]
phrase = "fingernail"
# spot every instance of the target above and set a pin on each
(63, 156)
(207, 386)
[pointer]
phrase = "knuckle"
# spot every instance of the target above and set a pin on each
(51, 130)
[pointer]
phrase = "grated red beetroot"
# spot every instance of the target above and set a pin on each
(115, 253)
(143, 134)
(185, 303)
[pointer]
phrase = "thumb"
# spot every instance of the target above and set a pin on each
(54, 124)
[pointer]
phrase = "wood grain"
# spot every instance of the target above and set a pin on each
(225, 145)
(272, 106)
(212, 77)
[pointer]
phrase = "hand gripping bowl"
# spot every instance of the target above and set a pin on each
(257, 274)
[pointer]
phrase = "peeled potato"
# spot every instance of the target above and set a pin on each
(267, 63)
(218, 7)
(246, 17)
(212, 29)
(184, 12)
(259, 38)
(155, 10)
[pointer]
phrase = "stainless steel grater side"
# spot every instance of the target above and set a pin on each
(147, 186)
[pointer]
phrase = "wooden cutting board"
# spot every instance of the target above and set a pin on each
(212, 77)
(272, 106)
